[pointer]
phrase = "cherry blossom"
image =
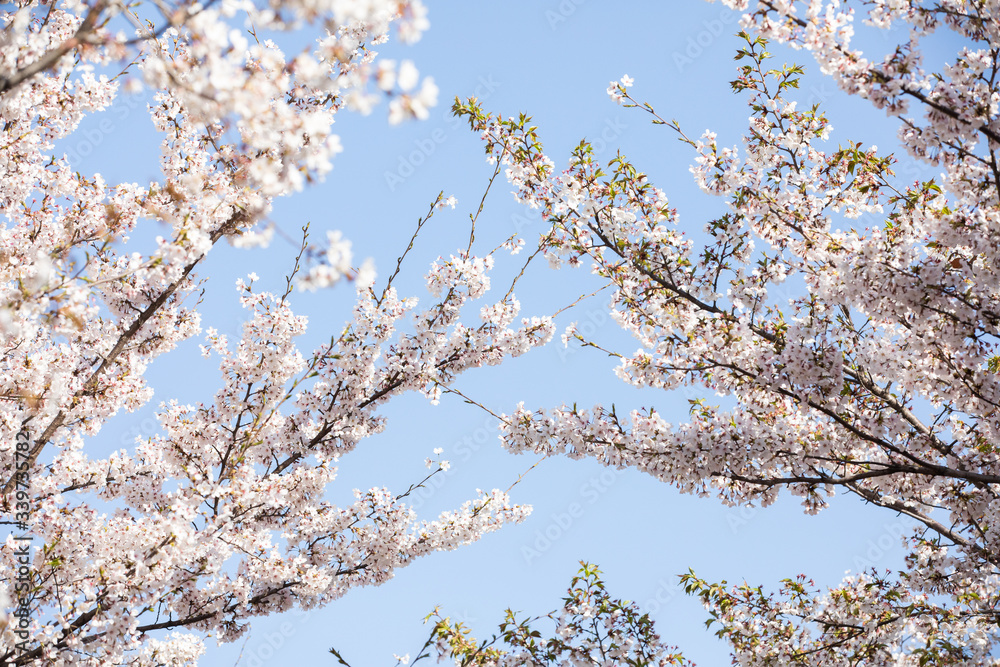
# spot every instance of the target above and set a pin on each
(222, 515)
(846, 318)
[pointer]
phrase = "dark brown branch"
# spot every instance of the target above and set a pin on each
(90, 385)
(49, 60)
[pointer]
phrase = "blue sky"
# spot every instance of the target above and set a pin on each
(552, 60)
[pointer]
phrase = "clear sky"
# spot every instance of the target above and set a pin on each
(552, 60)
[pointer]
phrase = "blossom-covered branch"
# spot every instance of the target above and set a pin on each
(223, 514)
(856, 358)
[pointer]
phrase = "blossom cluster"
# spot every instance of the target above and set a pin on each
(849, 320)
(223, 514)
